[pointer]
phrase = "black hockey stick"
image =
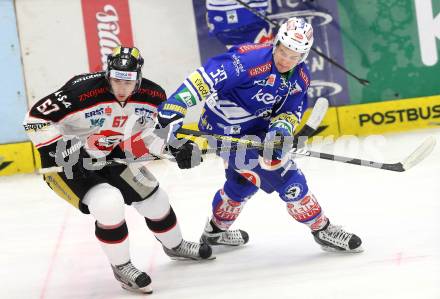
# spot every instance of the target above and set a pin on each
(414, 158)
(332, 61)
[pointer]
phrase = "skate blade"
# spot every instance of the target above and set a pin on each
(180, 258)
(204, 241)
(333, 250)
(145, 290)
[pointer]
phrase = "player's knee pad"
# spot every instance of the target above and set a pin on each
(106, 204)
(112, 234)
(307, 210)
(154, 207)
(226, 209)
(158, 213)
(294, 188)
(238, 187)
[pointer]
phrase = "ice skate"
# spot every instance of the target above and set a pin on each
(212, 235)
(189, 250)
(132, 279)
(334, 239)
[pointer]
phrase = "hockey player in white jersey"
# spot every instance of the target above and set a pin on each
(103, 115)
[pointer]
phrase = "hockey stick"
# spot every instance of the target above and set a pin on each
(332, 61)
(410, 161)
(413, 159)
(312, 124)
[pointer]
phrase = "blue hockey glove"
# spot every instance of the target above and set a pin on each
(169, 120)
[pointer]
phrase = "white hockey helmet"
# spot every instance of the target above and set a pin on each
(297, 35)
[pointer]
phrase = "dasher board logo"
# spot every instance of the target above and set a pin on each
(3, 163)
(107, 24)
(398, 115)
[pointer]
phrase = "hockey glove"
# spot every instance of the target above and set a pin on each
(169, 120)
(300, 139)
(273, 145)
(187, 155)
(78, 170)
(70, 154)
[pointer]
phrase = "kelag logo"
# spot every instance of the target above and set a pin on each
(400, 116)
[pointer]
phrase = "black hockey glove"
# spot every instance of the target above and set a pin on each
(78, 170)
(270, 152)
(300, 139)
(187, 155)
(70, 155)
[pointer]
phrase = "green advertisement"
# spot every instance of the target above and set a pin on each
(395, 44)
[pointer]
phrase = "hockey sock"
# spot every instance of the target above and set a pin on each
(166, 229)
(114, 242)
(225, 210)
(308, 211)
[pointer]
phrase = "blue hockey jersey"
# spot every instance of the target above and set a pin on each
(233, 24)
(244, 94)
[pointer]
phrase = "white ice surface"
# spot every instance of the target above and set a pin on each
(48, 249)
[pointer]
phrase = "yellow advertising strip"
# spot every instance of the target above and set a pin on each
(329, 125)
(391, 116)
(37, 158)
(16, 158)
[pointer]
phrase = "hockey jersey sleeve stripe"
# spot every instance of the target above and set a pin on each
(175, 108)
(48, 142)
(192, 91)
(208, 80)
(201, 87)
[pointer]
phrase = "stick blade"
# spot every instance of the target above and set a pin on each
(420, 153)
(318, 113)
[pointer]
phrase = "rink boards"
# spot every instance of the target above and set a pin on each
(93, 27)
(357, 120)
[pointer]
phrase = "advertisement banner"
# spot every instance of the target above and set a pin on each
(395, 44)
(391, 116)
(16, 158)
(327, 80)
(107, 24)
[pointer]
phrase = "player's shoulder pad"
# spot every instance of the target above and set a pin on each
(256, 58)
(304, 74)
(150, 92)
(71, 97)
(84, 80)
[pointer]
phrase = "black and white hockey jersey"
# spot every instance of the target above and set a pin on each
(85, 108)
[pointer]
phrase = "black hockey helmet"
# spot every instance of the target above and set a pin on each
(125, 63)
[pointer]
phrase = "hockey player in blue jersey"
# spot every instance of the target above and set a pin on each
(259, 90)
